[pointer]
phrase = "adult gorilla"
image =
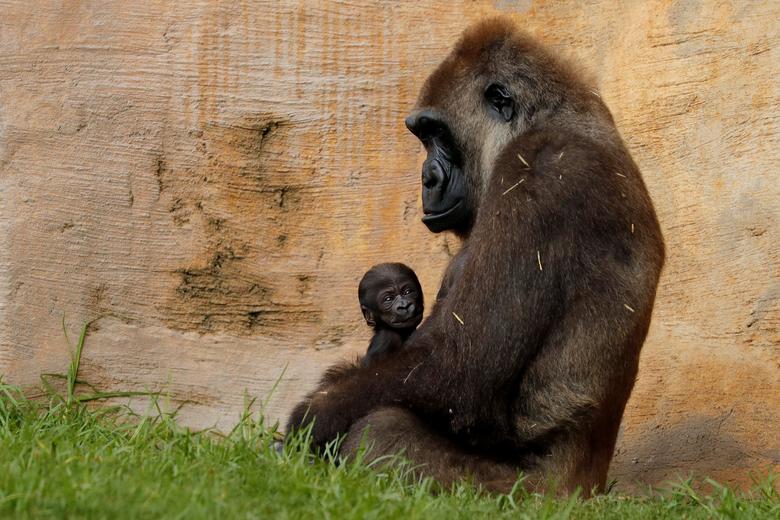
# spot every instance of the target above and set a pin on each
(528, 361)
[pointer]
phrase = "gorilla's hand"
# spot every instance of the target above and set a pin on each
(324, 414)
(347, 395)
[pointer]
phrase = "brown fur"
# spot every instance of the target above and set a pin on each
(535, 372)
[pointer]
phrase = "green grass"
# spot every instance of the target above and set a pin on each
(59, 459)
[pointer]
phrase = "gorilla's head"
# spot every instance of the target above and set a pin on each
(496, 84)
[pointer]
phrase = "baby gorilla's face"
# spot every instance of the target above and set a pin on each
(391, 297)
(399, 303)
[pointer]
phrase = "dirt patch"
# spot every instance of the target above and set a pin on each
(160, 171)
(180, 212)
(243, 147)
(223, 296)
(231, 190)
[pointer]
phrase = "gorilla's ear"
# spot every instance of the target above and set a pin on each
(368, 315)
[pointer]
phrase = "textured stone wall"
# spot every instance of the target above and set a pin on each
(213, 179)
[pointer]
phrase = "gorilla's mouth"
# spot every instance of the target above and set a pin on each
(439, 220)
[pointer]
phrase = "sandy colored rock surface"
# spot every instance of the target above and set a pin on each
(215, 178)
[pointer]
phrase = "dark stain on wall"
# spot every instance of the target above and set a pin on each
(228, 187)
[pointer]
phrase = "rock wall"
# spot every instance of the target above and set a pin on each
(212, 178)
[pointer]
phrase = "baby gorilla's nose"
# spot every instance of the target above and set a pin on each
(404, 308)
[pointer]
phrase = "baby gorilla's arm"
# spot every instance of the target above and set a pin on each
(385, 342)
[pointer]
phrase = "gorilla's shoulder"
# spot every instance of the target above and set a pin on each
(569, 157)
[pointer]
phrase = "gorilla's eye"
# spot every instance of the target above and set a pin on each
(387, 298)
(500, 101)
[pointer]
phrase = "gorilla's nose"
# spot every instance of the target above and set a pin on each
(405, 308)
(424, 123)
(411, 122)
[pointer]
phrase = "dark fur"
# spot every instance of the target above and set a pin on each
(537, 376)
(452, 273)
(385, 342)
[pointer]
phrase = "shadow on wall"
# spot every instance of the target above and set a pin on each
(666, 453)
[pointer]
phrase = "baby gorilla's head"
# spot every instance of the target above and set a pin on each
(391, 297)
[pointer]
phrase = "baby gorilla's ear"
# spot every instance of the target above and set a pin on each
(368, 315)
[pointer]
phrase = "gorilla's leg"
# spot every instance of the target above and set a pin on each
(390, 431)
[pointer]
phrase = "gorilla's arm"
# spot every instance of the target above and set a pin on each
(452, 273)
(425, 378)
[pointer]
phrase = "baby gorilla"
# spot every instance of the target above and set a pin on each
(392, 302)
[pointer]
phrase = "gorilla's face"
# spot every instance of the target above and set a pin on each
(478, 99)
(445, 195)
(391, 297)
(449, 200)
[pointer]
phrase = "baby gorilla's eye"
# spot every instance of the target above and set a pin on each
(407, 291)
(388, 298)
